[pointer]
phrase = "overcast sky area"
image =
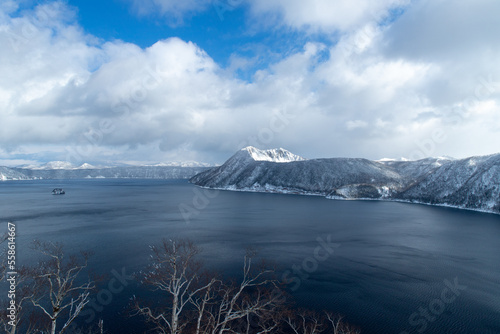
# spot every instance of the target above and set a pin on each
(146, 81)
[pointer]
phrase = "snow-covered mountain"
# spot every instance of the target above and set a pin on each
(181, 164)
(58, 165)
(274, 155)
(55, 165)
(64, 165)
(317, 176)
(89, 171)
(86, 166)
(472, 183)
(11, 174)
(66, 170)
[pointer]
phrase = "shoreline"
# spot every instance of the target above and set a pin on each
(277, 190)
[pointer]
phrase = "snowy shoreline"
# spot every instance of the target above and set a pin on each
(470, 183)
(278, 190)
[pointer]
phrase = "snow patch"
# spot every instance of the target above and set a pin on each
(279, 155)
(87, 166)
(55, 165)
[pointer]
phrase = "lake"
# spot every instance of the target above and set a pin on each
(391, 264)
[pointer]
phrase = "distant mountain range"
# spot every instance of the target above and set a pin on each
(471, 183)
(64, 170)
(58, 165)
(69, 166)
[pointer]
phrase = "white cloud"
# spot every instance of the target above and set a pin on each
(326, 15)
(8, 6)
(357, 124)
(446, 30)
(370, 95)
(313, 15)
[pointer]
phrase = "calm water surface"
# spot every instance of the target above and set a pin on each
(391, 262)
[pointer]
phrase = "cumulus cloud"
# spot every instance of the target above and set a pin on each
(326, 15)
(441, 30)
(66, 95)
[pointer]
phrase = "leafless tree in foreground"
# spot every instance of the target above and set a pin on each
(195, 302)
(93, 330)
(303, 322)
(339, 326)
(58, 292)
(198, 303)
(250, 306)
(23, 294)
(310, 322)
(174, 271)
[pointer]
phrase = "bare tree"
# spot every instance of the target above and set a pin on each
(203, 303)
(100, 325)
(92, 330)
(310, 322)
(197, 302)
(200, 303)
(247, 307)
(175, 271)
(335, 322)
(252, 298)
(304, 322)
(23, 294)
(58, 292)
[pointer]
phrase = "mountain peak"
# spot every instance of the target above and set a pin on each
(86, 166)
(279, 155)
(470, 183)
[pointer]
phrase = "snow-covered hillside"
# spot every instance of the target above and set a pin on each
(472, 183)
(88, 171)
(64, 165)
(274, 155)
(67, 170)
(11, 174)
(55, 165)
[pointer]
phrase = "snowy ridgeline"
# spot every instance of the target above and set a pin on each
(472, 183)
(141, 172)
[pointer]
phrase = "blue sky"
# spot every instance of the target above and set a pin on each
(115, 20)
(147, 81)
(223, 29)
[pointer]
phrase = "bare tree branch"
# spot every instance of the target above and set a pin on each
(56, 291)
(194, 301)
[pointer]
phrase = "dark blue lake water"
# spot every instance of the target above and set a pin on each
(391, 270)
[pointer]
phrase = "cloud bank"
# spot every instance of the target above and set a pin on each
(426, 83)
